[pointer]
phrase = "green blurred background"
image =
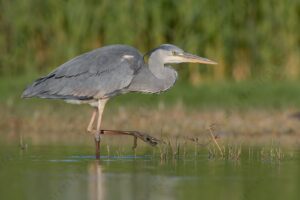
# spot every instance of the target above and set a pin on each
(253, 41)
(247, 99)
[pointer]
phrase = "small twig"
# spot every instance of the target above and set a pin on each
(134, 143)
(21, 143)
(214, 139)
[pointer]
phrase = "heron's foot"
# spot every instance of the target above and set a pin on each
(144, 137)
(137, 135)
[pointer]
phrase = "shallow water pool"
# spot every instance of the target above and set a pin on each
(67, 173)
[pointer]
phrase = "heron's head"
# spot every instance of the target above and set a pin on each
(169, 54)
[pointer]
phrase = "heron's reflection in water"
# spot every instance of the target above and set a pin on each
(130, 183)
(96, 182)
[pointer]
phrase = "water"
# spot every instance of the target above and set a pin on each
(68, 173)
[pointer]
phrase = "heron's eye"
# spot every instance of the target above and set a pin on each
(174, 53)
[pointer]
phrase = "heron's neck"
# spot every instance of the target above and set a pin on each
(166, 75)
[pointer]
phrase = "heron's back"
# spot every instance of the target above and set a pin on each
(100, 73)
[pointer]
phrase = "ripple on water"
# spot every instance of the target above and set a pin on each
(79, 158)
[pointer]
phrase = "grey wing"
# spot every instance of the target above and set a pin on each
(97, 74)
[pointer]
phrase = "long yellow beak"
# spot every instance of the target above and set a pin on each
(187, 57)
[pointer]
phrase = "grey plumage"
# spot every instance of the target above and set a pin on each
(96, 74)
(109, 71)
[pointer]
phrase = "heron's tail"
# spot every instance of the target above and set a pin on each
(28, 93)
(31, 91)
(35, 89)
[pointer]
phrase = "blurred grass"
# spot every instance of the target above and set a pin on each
(246, 112)
(249, 39)
(254, 70)
(222, 94)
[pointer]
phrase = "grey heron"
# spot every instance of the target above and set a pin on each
(96, 76)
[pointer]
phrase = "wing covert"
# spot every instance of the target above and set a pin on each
(95, 74)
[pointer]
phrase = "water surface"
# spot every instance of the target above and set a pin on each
(69, 173)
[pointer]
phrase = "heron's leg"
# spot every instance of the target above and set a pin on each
(90, 127)
(101, 105)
